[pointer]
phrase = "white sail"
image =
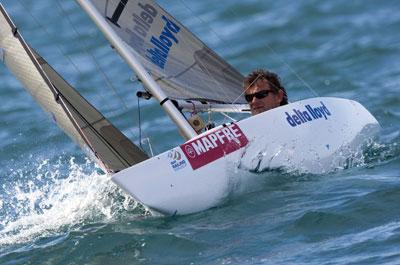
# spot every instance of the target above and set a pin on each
(183, 66)
(80, 120)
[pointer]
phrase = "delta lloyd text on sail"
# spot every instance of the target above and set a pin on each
(160, 45)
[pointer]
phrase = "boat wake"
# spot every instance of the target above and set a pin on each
(53, 199)
(384, 152)
(374, 154)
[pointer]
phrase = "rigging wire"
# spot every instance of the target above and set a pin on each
(291, 69)
(109, 83)
(64, 54)
(207, 72)
(68, 107)
(212, 30)
(230, 46)
(98, 66)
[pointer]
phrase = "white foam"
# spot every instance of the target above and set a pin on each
(49, 203)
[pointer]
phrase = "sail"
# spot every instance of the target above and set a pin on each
(72, 113)
(183, 66)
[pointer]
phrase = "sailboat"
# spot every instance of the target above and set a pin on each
(180, 72)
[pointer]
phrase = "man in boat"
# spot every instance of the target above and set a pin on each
(263, 91)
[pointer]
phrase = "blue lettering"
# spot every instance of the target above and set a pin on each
(322, 111)
(290, 120)
(305, 113)
(299, 117)
(171, 25)
(158, 55)
(308, 107)
(325, 109)
(316, 111)
(298, 113)
(178, 165)
(159, 44)
(296, 119)
(168, 34)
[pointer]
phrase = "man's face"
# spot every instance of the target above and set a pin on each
(272, 100)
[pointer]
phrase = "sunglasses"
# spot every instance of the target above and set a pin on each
(260, 94)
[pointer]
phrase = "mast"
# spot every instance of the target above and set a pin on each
(175, 115)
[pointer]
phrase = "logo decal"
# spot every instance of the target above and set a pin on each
(176, 160)
(214, 145)
(162, 44)
(190, 151)
(309, 114)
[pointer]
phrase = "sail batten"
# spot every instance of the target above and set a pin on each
(182, 65)
(72, 113)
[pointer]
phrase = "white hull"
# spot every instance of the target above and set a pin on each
(309, 136)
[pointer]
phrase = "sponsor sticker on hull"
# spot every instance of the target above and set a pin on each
(177, 162)
(310, 113)
(214, 145)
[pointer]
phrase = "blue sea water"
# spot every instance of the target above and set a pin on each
(56, 207)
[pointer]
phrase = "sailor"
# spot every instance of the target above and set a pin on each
(263, 91)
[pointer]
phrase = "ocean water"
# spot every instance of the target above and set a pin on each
(57, 207)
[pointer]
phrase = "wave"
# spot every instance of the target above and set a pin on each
(55, 198)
